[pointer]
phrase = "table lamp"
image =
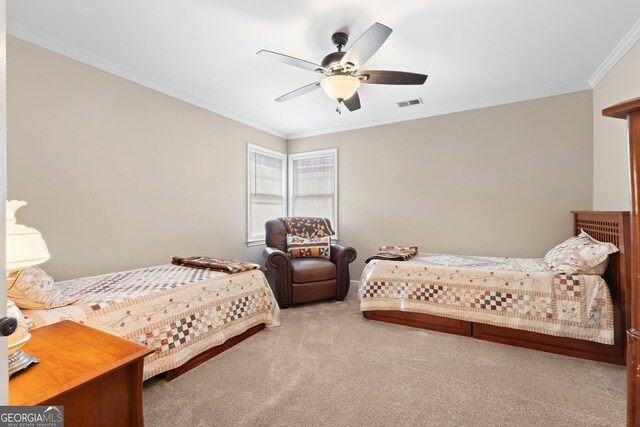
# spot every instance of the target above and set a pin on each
(25, 248)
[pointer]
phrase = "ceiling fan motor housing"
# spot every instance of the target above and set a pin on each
(332, 61)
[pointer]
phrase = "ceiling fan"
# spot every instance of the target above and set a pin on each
(342, 69)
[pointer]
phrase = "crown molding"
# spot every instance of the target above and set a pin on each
(46, 42)
(431, 112)
(616, 55)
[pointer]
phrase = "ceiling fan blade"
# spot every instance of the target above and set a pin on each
(300, 91)
(365, 46)
(380, 77)
(352, 103)
(290, 60)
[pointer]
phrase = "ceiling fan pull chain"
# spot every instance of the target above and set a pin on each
(338, 110)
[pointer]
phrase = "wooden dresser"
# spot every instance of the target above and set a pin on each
(96, 376)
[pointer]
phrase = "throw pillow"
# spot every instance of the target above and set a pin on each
(34, 289)
(581, 254)
(300, 247)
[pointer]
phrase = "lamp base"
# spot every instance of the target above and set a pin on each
(20, 360)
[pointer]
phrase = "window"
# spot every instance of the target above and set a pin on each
(312, 188)
(313, 185)
(266, 190)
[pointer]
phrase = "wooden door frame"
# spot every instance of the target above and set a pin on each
(630, 111)
(4, 372)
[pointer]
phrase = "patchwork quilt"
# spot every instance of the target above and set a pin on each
(178, 311)
(518, 293)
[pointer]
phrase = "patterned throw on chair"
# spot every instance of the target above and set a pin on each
(307, 227)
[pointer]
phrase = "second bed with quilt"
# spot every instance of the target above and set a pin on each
(518, 301)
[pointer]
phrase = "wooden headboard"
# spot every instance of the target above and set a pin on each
(613, 227)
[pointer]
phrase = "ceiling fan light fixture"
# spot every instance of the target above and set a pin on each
(340, 87)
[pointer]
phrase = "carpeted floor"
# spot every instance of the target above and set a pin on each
(326, 365)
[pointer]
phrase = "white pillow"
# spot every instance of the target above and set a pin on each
(581, 254)
(34, 289)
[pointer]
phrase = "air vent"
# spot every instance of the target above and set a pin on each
(409, 103)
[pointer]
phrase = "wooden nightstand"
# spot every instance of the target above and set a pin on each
(96, 376)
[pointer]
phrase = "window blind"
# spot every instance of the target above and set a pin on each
(312, 184)
(267, 199)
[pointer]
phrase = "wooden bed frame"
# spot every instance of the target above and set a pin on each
(212, 352)
(604, 226)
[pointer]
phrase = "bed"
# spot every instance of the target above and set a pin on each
(509, 300)
(187, 315)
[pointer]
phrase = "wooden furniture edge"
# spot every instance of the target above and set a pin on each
(212, 352)
(600, 225)
(79, 382)
(619, 267)
(549, 343)
(138, 415)
(421, 320)
(623, 109)
(630, 111)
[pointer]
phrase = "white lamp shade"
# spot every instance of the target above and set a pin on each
(26, 250)
(340, 87)
(25, 246)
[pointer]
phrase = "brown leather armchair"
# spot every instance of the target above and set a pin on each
(300, 280)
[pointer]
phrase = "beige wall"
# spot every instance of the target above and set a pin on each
(611, 189)
(493, 181)
(120, 176)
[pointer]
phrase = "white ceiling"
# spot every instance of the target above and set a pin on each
(477, 53)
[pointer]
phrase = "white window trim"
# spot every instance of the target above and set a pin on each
(267, 152)
(308, 155)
